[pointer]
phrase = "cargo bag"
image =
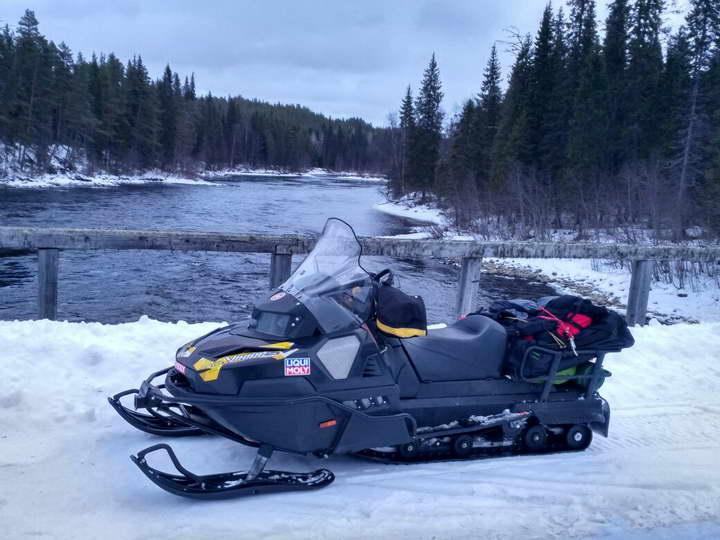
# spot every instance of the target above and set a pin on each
(399, 314)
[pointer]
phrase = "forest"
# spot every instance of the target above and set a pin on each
(102, 114)
(613, 127)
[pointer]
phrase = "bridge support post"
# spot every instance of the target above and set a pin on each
(280, 265)
(639, 292)
(48, 262)
(468, 285)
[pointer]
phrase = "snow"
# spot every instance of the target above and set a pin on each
(65, 472)
(422, 213)
(310, 173)
(99, 180)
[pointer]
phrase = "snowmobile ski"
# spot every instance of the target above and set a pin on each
(232, 484)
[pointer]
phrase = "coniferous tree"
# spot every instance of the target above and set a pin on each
(541, 91)
(168, 107)
(703, 22)
(644, 73)
(485, 123)
(511, 144)
(428, 132)
(615, 52)
(407, 134)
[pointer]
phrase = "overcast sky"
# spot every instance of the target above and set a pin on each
(339, 57)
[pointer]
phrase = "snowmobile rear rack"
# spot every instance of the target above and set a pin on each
(231, 484)
(550, 379)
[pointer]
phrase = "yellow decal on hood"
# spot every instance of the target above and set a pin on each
(211, 368)
(282, 345)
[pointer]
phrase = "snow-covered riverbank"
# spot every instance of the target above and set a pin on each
(13, 175)
(408, 209)
(603, 280)
(66, 452)
(63, 180)
(108, 180)
(310, 173)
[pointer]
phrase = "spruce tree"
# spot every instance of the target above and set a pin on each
(542, 89)
(615, 52)
(407, 134)
(168, 118)
(429, 130)
(486, 121)
(703, 21)
(644, 72)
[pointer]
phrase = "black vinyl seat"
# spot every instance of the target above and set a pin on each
(470, 349)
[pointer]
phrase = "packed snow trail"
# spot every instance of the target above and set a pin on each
(65, 472)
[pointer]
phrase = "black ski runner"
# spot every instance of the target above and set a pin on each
(232, 484)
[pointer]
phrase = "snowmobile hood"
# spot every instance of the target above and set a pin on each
(202, 361)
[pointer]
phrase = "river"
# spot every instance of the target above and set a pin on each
(120, 286)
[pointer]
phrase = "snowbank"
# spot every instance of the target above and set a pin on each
(65, 472)
(100, 180)
(311, 173)
(422, 213)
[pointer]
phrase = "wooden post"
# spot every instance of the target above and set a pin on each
(280, 265)
(468, 285)
(639, 292)
(47, 278)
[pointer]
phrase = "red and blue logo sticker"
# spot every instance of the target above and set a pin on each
(297, 367)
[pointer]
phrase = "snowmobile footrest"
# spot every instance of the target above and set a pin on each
(154, 424)
(231, 484)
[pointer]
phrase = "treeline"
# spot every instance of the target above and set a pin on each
(104, 114)
(594, 131)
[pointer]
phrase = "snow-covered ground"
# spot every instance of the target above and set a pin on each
(65, 472)
(310, 173)
(423, 213)
(99, 180)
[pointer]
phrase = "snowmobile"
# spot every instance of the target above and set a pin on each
(328, 364)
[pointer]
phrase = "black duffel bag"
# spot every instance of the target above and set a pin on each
(399, 314)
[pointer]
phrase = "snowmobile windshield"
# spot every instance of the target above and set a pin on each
(331, 283)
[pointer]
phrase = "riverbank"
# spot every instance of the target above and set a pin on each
(307, 173)
(693, 299)
(13, 175)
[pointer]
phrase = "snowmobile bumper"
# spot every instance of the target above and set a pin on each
(602, 427)
(153, 423)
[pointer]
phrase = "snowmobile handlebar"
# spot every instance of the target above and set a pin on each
(386, 272)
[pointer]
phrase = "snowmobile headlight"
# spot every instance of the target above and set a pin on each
(186, 351)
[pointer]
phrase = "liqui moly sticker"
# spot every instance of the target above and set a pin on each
(179, 367)
(297, 367)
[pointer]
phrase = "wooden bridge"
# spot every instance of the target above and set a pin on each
(49, 242)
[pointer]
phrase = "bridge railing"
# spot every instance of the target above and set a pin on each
(48, 242)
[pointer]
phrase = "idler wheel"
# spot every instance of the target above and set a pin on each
(463, 445)
(409, 450)
(535, 438)
(578, 437)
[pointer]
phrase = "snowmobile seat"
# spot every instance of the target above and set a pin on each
(470, 349)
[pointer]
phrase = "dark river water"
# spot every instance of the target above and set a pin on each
(119, 286)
